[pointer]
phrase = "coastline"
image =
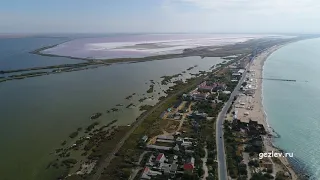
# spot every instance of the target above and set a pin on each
(258, 66)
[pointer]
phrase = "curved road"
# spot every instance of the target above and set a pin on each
(222, 167)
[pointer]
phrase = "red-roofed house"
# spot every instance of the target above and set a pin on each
(204, 87)
(209, 87)
(189, 165)
(160, 158)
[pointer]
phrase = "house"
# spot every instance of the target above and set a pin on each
(174, 168)
(165, 140)
(226, 92)
(147, 173)
(165, 168)
(169, 168)
(189, 151)
(204, 87)
(165, 148)
(160, 158)
(197, 115)
(200, 96)
(189, 165)
(241, 71)
(186, 143)
(169, 137)
(209, 87)
(219, 87)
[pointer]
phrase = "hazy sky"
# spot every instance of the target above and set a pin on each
(104, 16)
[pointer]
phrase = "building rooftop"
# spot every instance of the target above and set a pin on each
(159, 157)
(169, 137)
(189, 164)
(158, 147)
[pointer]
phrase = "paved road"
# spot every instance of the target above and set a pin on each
(222, 167)
(108, 159)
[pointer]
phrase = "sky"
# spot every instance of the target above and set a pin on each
(157, 16)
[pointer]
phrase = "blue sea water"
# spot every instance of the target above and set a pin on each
(15, 52)
(293, 108)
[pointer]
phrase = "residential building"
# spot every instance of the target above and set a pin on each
(219, 86)
(204, 87)
(169, 137)
(189, 165)
(166, 148)
(160, 158)
(241, 71)
(186, 143)
(209, 87)
(148, 173)
(200, 96)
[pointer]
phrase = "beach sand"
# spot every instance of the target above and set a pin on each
(251, 107)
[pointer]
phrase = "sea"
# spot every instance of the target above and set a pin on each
(37, 114)
(292, 108)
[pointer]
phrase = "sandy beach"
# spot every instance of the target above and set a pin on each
(251, 107)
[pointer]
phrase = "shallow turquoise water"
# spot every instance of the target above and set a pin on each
(293, 108)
